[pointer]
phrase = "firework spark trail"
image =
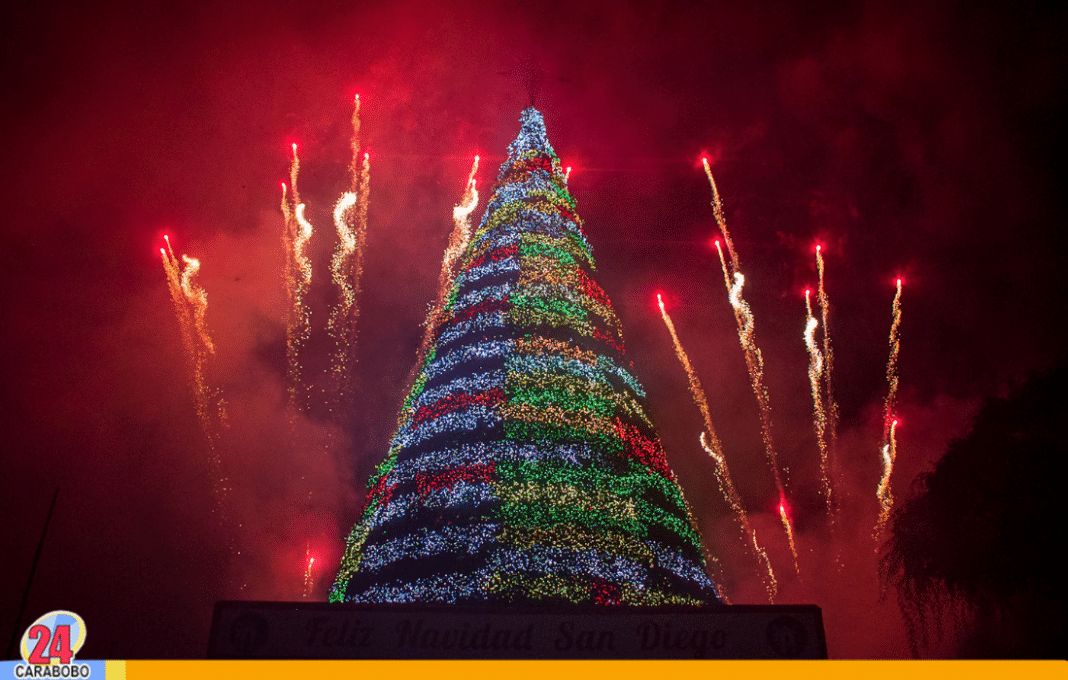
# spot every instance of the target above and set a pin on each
(726, 486)
(828, 353)
(889, 449)
(458, 240)
(755, 363)
(717, 210)
(695, 385)
(339, 268)
(723, 474)
(354, 144)
(726, 271)
(198, 300)
(190, 307)
(309, 579)
(830, 405)
(304, 266)
(289, 234)
(346, 266)
(297, 274)
(294, 171)
(819, 415)
(786, 525)
(343, 313)
(891, 365)
(289, 231)
(363, 197)
(359, 184)
(174, 281)
(886, 499)
(461, 233)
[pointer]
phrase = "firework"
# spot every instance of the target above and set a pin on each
(786, 525)
(743, 314)
(828, 365)
(461, 233)
(309, 578)
(297, 275)
(889, 448)
(354, 145)
(346, 266)
(294, 171)
(695, 385)
(726, 486)
(458, 240)
(174, 281)
(198, 301)
(754, 362)
(891, 365)
(717, 210)
(341, 261)
(886, 499)
(363, 197)
(190, 307)
(303, 264)
(726, 272)
(815, 374)
(723, 474)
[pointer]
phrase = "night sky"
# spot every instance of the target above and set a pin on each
(919, 140)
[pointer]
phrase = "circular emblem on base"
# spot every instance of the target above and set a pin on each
(248, 632)
(787, 636)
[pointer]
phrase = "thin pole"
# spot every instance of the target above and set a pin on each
(29, 582)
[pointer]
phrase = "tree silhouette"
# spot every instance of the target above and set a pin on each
(977, 539)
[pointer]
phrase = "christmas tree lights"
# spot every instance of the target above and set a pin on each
(525, 468)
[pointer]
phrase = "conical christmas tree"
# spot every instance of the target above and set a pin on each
(525, 468)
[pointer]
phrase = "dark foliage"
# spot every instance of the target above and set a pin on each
(979, 537)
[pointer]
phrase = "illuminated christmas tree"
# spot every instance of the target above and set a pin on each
(525, 468)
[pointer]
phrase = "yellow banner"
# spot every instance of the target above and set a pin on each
(586, 670)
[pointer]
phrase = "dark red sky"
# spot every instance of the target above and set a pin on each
(919, 140)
